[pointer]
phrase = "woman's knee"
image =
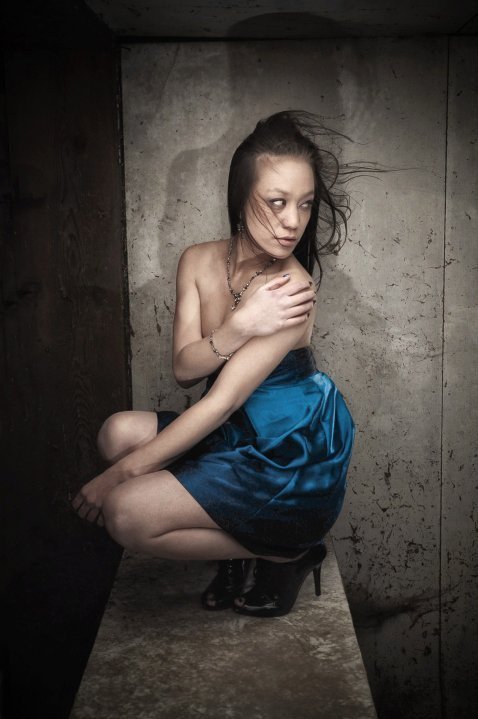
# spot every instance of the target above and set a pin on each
(112, 436)
(122, 432)
(120, 520)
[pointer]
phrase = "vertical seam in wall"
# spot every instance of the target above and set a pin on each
(440, 540)
(121, 160)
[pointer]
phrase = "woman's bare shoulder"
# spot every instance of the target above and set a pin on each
(204, 252)
(295, 269)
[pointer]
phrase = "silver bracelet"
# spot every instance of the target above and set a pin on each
(218, 354)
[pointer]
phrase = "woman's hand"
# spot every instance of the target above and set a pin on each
(264, 309)
(276, 305)
(89, 500)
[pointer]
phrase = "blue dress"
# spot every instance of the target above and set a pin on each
(274, 475)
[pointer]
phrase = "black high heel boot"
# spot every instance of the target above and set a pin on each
(278, 583)
(226, 585)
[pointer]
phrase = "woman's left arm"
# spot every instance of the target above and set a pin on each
(245, 371)
(240, 376)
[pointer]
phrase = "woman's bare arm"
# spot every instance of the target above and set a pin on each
(278, 304)
(237, 380)
(193, 358)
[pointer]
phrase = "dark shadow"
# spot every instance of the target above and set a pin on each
(64, 357)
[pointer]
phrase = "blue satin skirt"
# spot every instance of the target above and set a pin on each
(274, 475)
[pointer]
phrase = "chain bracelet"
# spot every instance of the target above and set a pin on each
(216, 352)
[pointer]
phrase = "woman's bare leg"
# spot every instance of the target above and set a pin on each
(195, 544)
(156, 515)
(124, 432)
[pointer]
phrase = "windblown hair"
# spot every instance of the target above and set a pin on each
(294, 133)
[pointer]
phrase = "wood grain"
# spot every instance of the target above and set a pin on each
(65, 357)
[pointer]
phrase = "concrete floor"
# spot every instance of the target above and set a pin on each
(158, 654)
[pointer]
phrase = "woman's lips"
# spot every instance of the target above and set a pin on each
(286, 241)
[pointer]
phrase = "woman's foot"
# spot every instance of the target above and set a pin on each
(277, 585)
(226, 585)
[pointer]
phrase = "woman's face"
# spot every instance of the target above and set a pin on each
(280, 204)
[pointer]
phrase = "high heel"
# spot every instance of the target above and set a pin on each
(278, 584)
(226, 585)
(316, 571)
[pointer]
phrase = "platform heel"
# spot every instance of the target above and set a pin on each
(277, 584)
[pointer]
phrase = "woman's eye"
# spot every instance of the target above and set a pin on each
(279, 203)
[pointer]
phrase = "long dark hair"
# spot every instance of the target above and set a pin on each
(293, 133)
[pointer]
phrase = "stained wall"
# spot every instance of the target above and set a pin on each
(380, 321)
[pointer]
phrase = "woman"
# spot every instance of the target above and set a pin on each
(256, 469)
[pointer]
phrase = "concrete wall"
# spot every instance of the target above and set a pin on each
(380, 324)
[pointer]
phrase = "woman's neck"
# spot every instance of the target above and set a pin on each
(246, 258)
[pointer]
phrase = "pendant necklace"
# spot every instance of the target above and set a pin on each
(238, 295)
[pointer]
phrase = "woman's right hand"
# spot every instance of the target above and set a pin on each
(278, 304)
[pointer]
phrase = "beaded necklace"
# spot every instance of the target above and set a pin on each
(238, 295)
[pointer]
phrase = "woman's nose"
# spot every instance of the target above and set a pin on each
(290, 218)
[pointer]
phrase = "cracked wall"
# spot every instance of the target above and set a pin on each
(404, 537)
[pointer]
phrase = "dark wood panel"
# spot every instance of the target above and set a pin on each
(65, 360)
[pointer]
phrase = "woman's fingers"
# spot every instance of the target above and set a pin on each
(292, 288)
(297, 300)
(296, 288)
(89, 501)
(299, 310)
(303, 288)
(77, 502)
(277, 282)
(93, 515)
(285, 303)
(85, 509)
(297, 304)
(90, 513)
(299, 320)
